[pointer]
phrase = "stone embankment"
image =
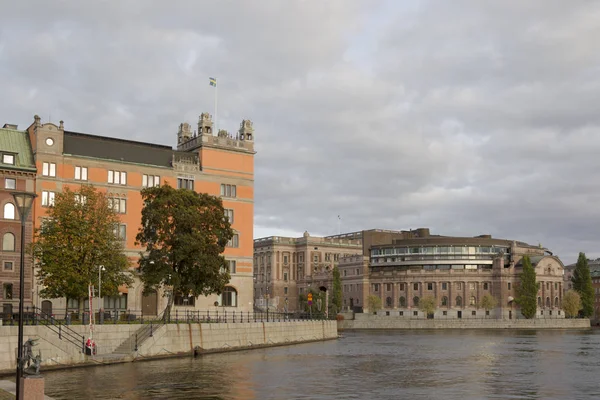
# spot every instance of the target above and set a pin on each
(116, 343)
(370, 321)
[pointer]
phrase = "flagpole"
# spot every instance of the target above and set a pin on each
(216, 103)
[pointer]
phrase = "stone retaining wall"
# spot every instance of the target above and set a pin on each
(370, 321)
(167, 340)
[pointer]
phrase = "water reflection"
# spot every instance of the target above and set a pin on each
(363, 365)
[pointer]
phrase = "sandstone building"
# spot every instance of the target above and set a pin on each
(403, 267)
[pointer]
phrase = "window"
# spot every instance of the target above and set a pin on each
(415, 301)
(444, 312)
(120, 231)
(358, 272)
(556, 302)
(471, 285)
(119, 205)
(555, 285)
(444, 285)
(234, 241)
(285, 276)
(117, 177)
(80, 199)
(228, 190)
(8, 265)
(345, 272)
(508, 285)
(485, 286)
(10, 183)
(376, 287)
(116, 302)
(184, 183)
(229, 215)
(444, 301)
(416, 313)
(187, 300)
(47, 198)
(473, 301)
(285, 290)
(458, 301)
(232, 266)
(401, 313)
(402, 301)
(229, 297)
(48, 169)
(388, 287)
(8, 291)
(415, 286)
(459, 285)
(474, 313)
(73, 304)
(388, 301)
(429, 286)
(9, 211)
(81, 174)
(8, 159)
(150, 180)
(8, 242)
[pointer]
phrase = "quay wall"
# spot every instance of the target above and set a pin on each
(167, 340)
(370, 321)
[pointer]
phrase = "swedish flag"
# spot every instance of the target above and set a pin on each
(213, 81)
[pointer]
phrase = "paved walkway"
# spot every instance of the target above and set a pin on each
(7, 391)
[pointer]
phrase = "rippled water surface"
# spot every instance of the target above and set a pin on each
(363, 365)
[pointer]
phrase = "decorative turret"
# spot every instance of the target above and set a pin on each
(205, 124)
(246, 131)
(185, 133)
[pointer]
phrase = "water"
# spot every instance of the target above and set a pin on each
(363, 365)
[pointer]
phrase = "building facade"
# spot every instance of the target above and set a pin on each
(17, 173)
(403, 267)
(285, 268)
(220, 165)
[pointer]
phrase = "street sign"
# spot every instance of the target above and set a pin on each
(310, 299)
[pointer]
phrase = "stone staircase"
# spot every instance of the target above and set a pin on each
(137, 339)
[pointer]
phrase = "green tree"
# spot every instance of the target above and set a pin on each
(571, 303)
(336, 295)
(374, 303)
(428, 305)
(77, 237)
(488, 302)
(184, 234)
(528, 289)
(582, 284)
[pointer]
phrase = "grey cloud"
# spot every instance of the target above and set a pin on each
(468, 117)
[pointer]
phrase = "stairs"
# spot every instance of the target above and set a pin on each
(137, 339)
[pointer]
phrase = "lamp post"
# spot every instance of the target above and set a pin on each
(24, 200)
(100, 313)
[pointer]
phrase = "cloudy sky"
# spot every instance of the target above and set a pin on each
(467, 117)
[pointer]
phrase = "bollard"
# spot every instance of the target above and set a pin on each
(150, 328)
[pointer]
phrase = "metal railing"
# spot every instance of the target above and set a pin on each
(63, 331)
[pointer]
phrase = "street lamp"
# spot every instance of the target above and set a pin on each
(100, 314)
(24, 200)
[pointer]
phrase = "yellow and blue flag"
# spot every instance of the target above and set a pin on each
(213, 81)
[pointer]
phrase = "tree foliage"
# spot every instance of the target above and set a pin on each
(76, 238)
(184, 234)
(427, 305)
(374, 303)
(571, 303)
(527, 289)
(488, 302)
(336, 295)
(582, 284)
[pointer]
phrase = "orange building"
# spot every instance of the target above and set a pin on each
(221, 165)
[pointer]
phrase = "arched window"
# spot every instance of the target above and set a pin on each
(539, 302)
(416, 301)
(9, 211)
(388, 301)
(229, 297)
(556, 302)
(473, 301)
(8, 242)
(458, 301)
(402, 302)
(444, 301)
(548, 304)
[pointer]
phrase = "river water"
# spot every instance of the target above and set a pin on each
(451, 364)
